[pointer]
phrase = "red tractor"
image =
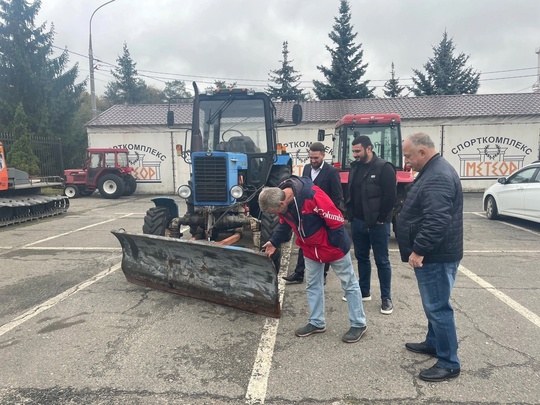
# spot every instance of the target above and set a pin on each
(385, 133)
(107, 170)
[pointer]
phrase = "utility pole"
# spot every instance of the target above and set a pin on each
(536, 86)
(91, 61)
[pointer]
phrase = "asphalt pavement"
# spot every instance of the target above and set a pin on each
(74, 331)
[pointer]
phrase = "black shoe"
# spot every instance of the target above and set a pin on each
(438, 373)
(386, 307)
(421, 348)
(293, 279)
(309, 329)
(366, 297)
(354, 334)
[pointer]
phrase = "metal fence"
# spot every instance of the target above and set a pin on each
(48, 151)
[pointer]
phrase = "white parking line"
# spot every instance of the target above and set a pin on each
(512, 225)
(502, 251)
(258, 383)
(531, 316)
(55, 300)
(76, 230)
(95, 249)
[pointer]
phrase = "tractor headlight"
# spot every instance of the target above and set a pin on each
(184, 191)
(237, 192)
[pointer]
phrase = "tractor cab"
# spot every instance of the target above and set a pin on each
(383, 130)
(106, 170)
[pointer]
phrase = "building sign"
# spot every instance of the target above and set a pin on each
(146, 162)
(490, 156)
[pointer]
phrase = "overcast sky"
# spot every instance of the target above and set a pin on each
(241, 40)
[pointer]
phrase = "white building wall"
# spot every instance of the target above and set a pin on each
(298, 140)
(480, 149)
(158, 168)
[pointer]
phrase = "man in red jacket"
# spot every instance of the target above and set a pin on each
(326, 177)
(320, 233)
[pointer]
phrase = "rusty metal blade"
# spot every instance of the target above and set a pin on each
(227, 275)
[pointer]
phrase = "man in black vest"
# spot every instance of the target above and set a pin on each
(327, 178)
(370, 204)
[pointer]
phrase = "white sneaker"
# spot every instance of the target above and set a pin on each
(367, 298)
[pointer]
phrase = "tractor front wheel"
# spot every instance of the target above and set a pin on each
(156, 221)
(71, 191)
(111, 186)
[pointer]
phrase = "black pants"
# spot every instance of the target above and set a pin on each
(301, 265)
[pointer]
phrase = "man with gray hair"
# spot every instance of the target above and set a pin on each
(430, 238)
(320, 232)
(327, 178)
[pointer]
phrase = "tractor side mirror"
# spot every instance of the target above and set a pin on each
(320, 135)
(170, 118)
(297, 114)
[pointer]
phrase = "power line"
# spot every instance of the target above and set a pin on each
(168, 76)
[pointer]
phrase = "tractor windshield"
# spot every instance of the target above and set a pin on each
(386, 140)
(122, 158)
(233, 125)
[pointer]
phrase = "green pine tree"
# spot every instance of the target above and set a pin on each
(286, 79)
(177, 89)
(392, 88)
(343, 78)
(21, 155)
(30, 75)
(127, 88)
(76, 145)
(445, 74)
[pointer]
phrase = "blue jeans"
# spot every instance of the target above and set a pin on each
(435, 282)
(301, 265)
(374, 237)
(315, 291)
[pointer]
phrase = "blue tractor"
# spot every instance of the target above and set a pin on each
(233, 153)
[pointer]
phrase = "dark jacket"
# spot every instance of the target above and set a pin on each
(329, 181)
(377, 191)
(431, 220)
(316, 221)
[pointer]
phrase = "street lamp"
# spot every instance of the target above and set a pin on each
(91, 60)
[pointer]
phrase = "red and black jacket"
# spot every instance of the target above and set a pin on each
(316, 221)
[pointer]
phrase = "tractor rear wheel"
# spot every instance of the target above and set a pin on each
(111, 186)
(278, 174)
(130, 184)
(269, 222)
(71, 191)
(156, 221)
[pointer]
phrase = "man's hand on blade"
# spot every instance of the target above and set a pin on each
(268, 248)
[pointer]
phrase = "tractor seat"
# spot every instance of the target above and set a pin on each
(242, 144)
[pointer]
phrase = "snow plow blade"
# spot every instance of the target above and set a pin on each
(227, 275)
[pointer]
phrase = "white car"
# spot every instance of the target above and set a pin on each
(517, 195)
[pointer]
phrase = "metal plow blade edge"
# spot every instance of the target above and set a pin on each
(226, 275)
